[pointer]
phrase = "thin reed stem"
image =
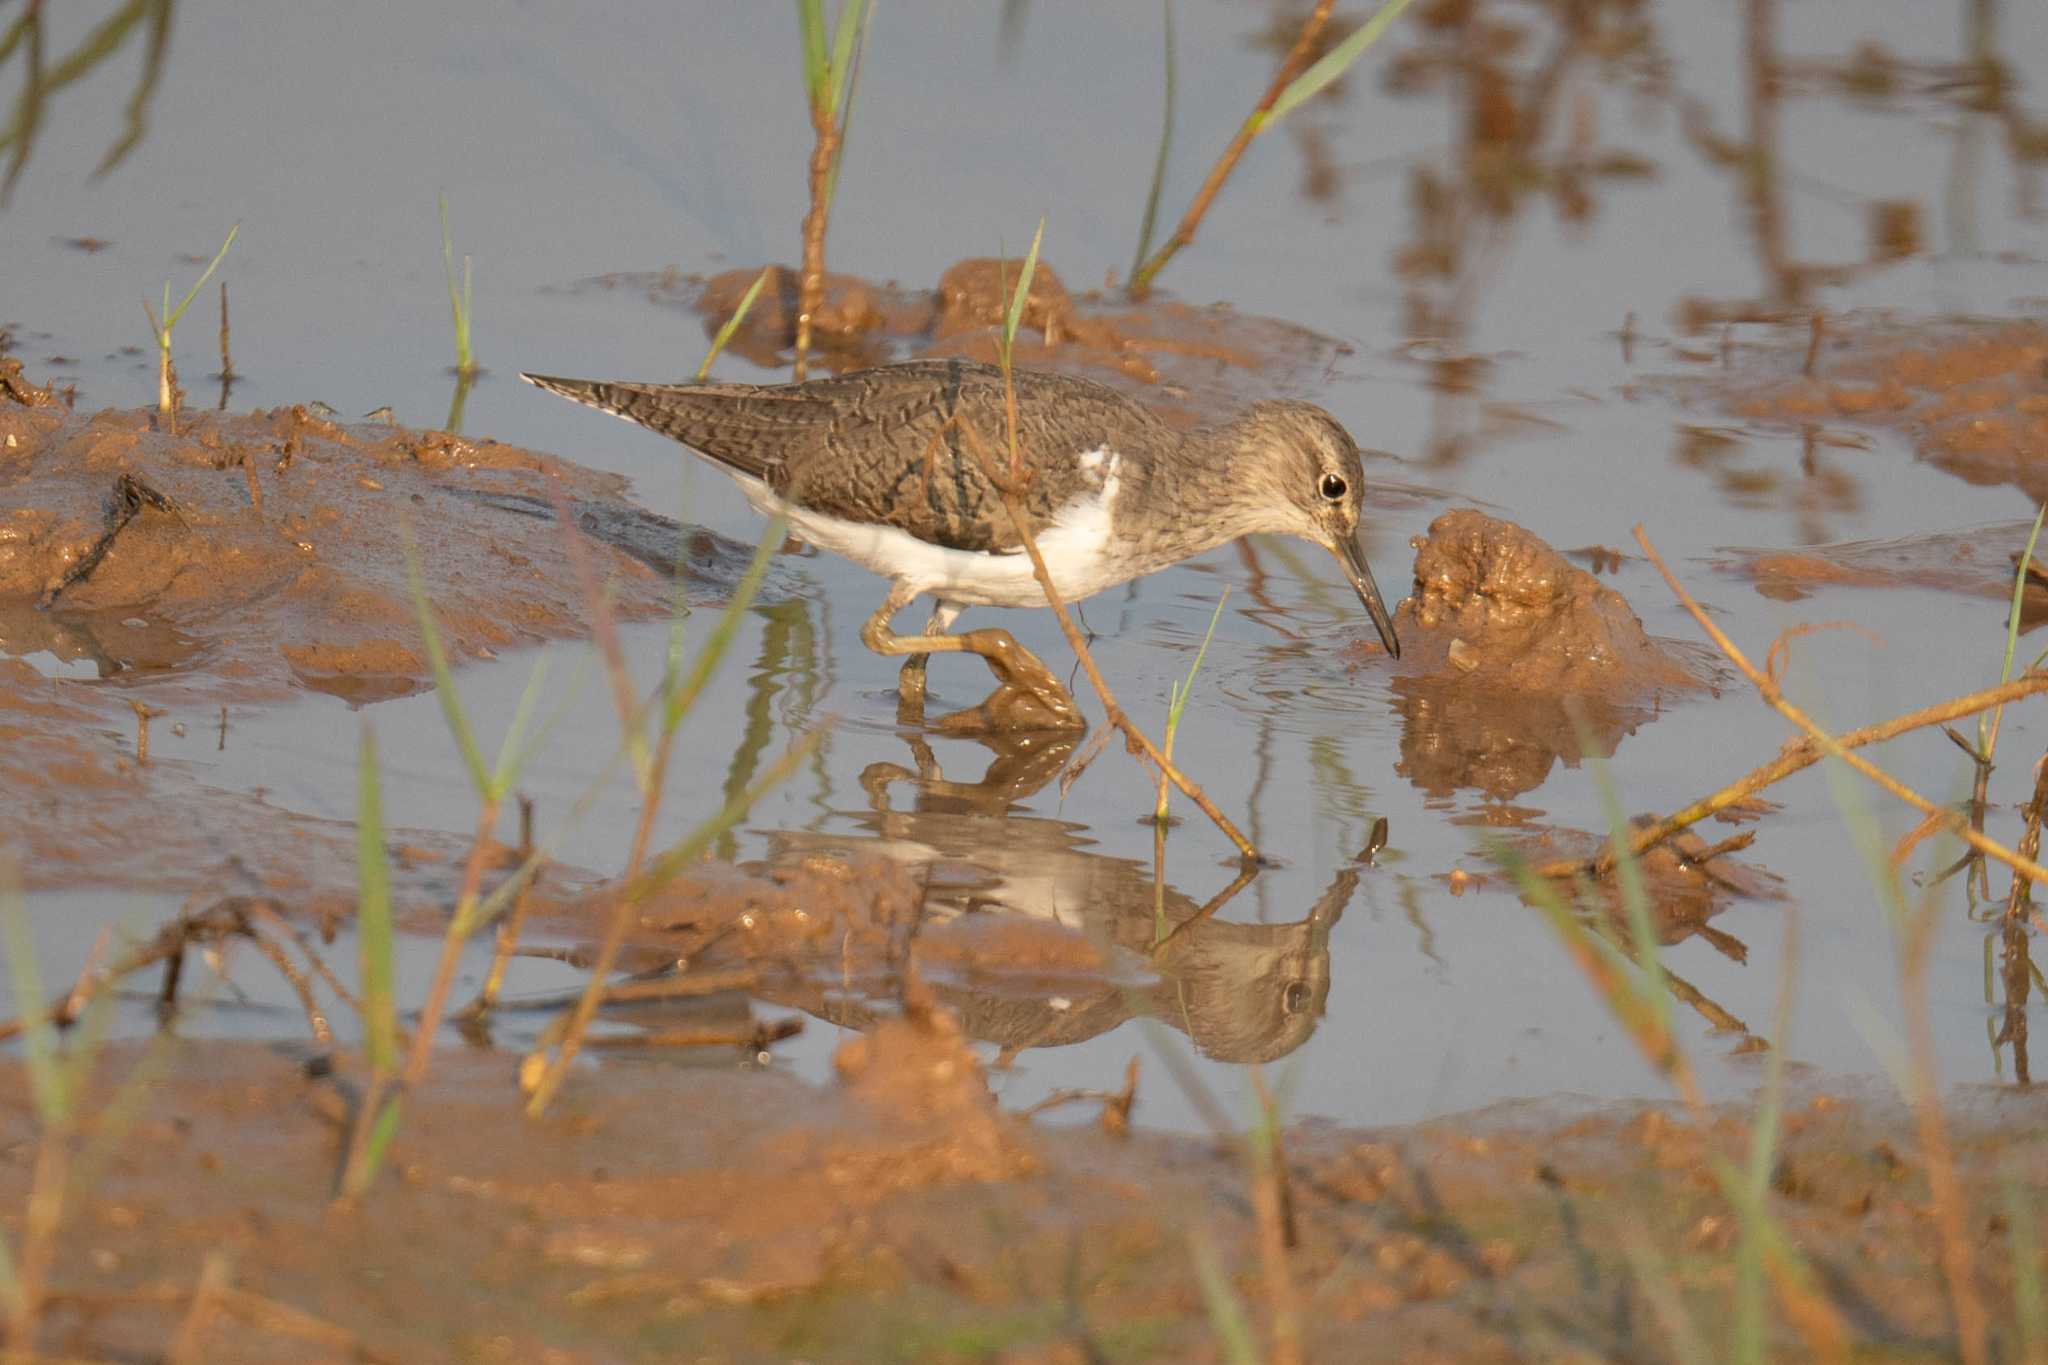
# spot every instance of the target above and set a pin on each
(1768, 688)
(1292, 65)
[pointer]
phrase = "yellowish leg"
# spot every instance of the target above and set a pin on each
(1027, 696)
(910, 684)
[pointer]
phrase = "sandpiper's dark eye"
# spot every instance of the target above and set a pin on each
(1333, 487)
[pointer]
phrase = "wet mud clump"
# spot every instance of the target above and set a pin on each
(1975, 562)
(1504, 639)
(1973, 400)
(263, 552)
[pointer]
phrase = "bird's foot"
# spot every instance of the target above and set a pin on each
(1012, 709)
(910, 691)
(1027, 696)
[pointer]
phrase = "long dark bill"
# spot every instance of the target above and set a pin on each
(1351, 554)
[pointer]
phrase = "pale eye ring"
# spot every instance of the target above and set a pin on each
(1333, 487)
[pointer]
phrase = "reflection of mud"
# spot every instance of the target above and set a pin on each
(1009, 920)
(1688, 884)
(1973, 400)
(1511, 651)
(81, 811)
(1191, 364)
(1977, 562)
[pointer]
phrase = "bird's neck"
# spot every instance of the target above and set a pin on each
(1206, 491)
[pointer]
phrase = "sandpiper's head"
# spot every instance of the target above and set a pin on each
(1310, 484)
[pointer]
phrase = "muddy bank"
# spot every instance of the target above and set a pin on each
(1976, 562)
(1192, 363)
(1971, 398)
(898, 1215)
(252, 555)
(1514, 658)
(243, 559)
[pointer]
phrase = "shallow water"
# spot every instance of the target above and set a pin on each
(328, 135)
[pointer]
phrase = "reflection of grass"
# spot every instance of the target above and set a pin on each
(1294, 84)
(40, 81)
(1151, 218)
(1177, 702)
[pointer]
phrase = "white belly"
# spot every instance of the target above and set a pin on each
(1074, 547)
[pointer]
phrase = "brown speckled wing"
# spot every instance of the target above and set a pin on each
(887, 445)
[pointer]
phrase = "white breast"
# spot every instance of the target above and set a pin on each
(1075, 547)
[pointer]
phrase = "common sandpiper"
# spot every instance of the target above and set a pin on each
(896, 468)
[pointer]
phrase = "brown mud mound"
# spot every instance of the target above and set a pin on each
(1503, 640)
(255, 554)
(1194, 364)
(1973, 399)
(663, 1214)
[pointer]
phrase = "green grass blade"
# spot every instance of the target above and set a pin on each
(380, 1142)
(38, 1034)
(2030, 1304)
(844, 35)
(444, 676)
(692, 847)
(1226, 1315)
(1150, 221)
(810, 19)
(513, 751)
(732, 324)
(171, 315)
(373, 912)
(687, 691)
(1628, 876)
(1181, 691)
(1015, 316)
(1334, 63)
(845, 106)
